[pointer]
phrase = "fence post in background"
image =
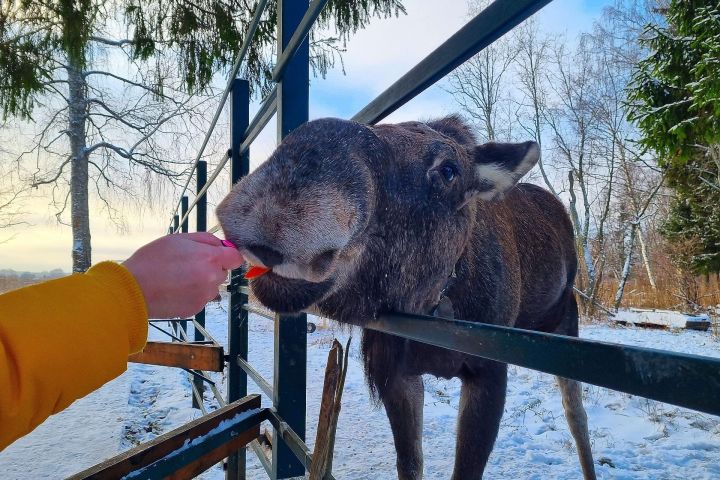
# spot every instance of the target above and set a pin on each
(182, 326)
(289, 378)
(237, 316)
(200, 226)
(174, 229)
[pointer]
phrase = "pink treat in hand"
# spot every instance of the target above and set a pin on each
(228, 243)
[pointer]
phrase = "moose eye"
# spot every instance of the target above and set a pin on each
(448, 172)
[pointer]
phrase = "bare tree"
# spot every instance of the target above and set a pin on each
(578, 150)
(103, 122)
(479, 85)
(532, 63)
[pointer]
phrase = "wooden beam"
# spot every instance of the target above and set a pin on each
(166, 449)
(209, 358)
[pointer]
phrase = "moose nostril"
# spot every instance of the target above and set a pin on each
(323, 261)
(268, 256)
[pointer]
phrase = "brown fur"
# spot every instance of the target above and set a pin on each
(360, 220)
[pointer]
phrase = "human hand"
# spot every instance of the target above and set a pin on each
(178, 274)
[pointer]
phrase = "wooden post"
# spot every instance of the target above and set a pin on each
(335, 372)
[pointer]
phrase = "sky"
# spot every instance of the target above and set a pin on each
(374, 59)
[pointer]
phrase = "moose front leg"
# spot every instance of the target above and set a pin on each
(482, 401)
(403, 400)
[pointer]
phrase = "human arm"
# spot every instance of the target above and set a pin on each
(62, 339)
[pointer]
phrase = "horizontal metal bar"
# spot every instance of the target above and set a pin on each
(302, 30)
(256, 377)
(493, 22)
(231, 78)
(262, 117)
(684, 380)
(293, 441)
(259, 311)
(224, 433)
(226, 430)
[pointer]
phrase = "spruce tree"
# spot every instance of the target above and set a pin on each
(675, 100)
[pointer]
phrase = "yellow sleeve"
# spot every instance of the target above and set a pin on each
(62, 339)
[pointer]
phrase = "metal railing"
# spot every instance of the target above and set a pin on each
(683, 380)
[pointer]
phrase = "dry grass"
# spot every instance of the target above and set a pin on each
(671, 293)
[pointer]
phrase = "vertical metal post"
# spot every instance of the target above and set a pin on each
(174, 229)
(237, 316)
(182, 326)
(200, 226)
(289, 379)
(183, 213)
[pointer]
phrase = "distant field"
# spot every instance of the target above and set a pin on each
(11, 280)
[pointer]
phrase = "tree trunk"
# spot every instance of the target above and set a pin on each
(628, 246)
(79, 206)
(646, 259)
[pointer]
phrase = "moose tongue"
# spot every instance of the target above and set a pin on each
(255, 271)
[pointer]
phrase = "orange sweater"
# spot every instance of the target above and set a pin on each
(62, 339)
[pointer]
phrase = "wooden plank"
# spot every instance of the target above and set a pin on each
(210, 358)
(163, 446)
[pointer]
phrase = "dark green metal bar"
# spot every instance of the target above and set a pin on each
(297, 445)
(300, 35)
(289, 379)
(182, 326)
(200, 226)
(237, 317)
(224, 433)
(493, 22)
(684, 380)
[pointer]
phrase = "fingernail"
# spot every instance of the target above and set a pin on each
(228, 243)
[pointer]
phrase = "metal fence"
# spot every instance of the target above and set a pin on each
(683, 380)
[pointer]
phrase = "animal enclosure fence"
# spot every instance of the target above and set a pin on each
(683, 380)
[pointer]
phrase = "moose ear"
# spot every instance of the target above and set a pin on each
(499, 166)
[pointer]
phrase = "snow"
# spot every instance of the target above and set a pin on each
(641, 439)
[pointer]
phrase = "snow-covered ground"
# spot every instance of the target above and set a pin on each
(632, 437)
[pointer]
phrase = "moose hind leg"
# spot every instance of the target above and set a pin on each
(482, 401)
(403, 401)
(571, 392)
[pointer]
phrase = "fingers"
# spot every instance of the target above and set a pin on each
(230, 258)
(203, 237)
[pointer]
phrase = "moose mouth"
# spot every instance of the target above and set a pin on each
(288, 295)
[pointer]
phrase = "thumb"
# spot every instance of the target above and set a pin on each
(230, 258)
